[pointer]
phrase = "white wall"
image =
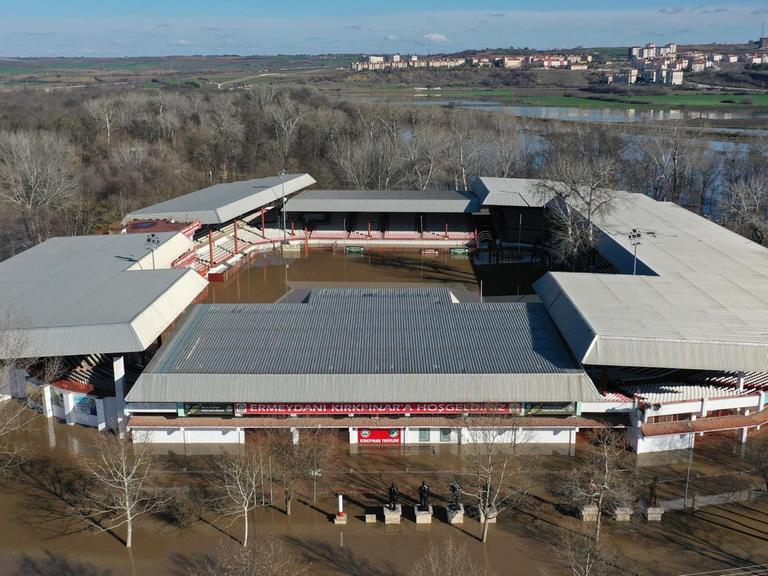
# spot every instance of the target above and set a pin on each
(411, 436)
(524, 436)
(188, 435)
(644, 444)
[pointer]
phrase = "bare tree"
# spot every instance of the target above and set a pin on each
(286, 116)
(295, 463)
(106, 113)
(745, 207)
(578, 185)
(119, 471)
(663, 157)
(241, 476)
(448, 558)
(464, 149)
(501, 466)
(582, 555)
(507, 143)
(267, 556)
(36, 177)
(424, 146)
(606, 478)
(19, 409)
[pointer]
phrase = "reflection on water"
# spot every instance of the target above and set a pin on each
(269, 276)
(614, 115)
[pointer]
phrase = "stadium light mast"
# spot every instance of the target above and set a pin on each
(282, 175)
(153, 241)
(634, 238)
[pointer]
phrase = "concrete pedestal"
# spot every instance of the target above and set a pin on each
(455, 516)
(393, 516)
(491, 516)
(423, 516)
(370, 518)
(622, 514)
(340, 519)
(589, 513)
(653, 514)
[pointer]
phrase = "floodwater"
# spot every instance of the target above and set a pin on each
(37, 539)
(584, 114)
(268, 276)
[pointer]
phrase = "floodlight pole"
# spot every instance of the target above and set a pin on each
(282, 184)
(690, 458)
(152, 243)
(634, 238)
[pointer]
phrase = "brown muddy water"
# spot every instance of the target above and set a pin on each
(35, 539)
(268, 276)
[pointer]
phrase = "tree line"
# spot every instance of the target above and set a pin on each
(71, 163)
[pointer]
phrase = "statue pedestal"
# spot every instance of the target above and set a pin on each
(492, 513)
(589, 513)
(653, 514)
(455, 515)
(622, 514)
(423, 516)
(370, 518)
(340, 518)
(393, 516)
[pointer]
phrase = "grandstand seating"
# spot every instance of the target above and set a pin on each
(331, 229)
(361, 228)
(435, 227)
(401, 227)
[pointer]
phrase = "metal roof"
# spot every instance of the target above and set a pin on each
(223, 202)
(700, 300)
(92, 294)
(365, 345)
(408, 201)
(511, 192)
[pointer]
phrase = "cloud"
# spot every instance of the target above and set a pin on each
(181, 42)
(353, 27)
(164, 25)
(497, 15)
(760, 11)
(390, 37)
(671, 10)
(436, 38)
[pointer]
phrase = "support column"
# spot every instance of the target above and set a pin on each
(743, 435)
(295, 435)
(118, 371)
(704, 407)
(47, 403)
(69, 407)
(235, 236)
(741, 378)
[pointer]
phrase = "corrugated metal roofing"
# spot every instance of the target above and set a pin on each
(383, 201)
(703, 306)
(511, 192)
(366, 345)
(92, 294)
(223, 202)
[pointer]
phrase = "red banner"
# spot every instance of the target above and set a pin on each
(379, 408)
(379, 435)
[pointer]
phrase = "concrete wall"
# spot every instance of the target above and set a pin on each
(413, 436)
(524, 436)
(188, 435)
(645, 444)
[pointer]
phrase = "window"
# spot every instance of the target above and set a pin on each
(423, 434)
(445, 434)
